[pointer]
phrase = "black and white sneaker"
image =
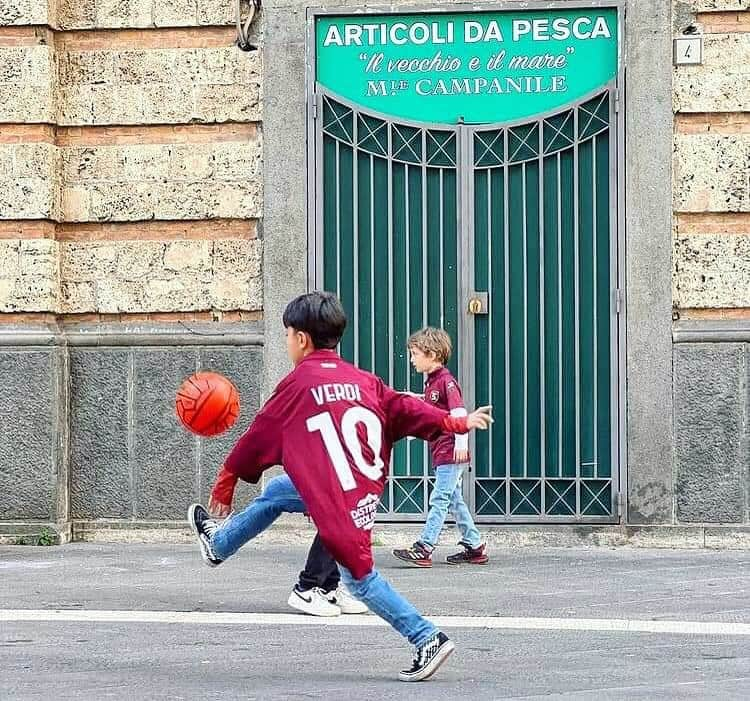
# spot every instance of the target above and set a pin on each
(428, 658)
(204, 527)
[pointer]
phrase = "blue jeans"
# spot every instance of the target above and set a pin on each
(279, 496)
(446, 496)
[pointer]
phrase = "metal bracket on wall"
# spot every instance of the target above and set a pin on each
(243, 28)
(619, 301)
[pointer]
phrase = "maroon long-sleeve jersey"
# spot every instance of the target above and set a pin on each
(442, 391)
(332, 427)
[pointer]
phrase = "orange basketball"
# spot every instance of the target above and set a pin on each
(207, 403)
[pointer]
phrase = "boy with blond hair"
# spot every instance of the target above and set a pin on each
(429, 350)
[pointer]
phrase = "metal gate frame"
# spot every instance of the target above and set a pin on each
(616, 258)
(465, 183)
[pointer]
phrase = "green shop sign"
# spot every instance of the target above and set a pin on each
(474, 67)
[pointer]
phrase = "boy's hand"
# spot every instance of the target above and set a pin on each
(480, 418)
(222, 495)
(217, 509)
(460, 456)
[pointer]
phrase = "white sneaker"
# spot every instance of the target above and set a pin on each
(313, 602)
(346, 602)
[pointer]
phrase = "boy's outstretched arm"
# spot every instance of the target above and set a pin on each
(259, 448)
(480, 418)
(408, 416)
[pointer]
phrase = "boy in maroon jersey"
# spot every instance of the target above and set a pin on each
(332, 427)
(430, 349)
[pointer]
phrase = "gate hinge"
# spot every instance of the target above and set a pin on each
(620, 504)
(314, 108)
(619, 301)
(617, 100)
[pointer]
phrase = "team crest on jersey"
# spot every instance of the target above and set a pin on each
(434, 395)
(364, 515)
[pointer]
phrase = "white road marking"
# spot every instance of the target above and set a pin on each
(612, 625)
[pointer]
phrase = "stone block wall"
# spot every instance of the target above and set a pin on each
(29, 275)
(30, 482)
(114, 277)
(204, 79)
(130, 251)
(162, 181)
(711, 257)
(27, 76)
(117, 121)
(90, 435)
(712, 164)
(28, 181)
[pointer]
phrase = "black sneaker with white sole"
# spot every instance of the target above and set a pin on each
(204, 527)
(428, 658)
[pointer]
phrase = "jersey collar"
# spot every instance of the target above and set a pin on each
(321, 354)
(436, 373)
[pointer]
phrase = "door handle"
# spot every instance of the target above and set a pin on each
(479, 303)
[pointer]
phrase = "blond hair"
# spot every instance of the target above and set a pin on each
(432, 340)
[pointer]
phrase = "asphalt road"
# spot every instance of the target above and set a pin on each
(275, 657)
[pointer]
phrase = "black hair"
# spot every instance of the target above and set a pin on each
(319, 314)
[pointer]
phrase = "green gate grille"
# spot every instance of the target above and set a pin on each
(390, 250)
(533, 203)
(544, 251)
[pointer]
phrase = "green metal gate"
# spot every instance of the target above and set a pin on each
(413, 220)
(543, 197)
(387, 209)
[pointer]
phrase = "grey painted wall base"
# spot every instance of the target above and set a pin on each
(32, 465)
(711, 411)
(109, 460)
(88, 427)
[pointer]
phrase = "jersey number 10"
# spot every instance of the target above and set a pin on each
(351, 417)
